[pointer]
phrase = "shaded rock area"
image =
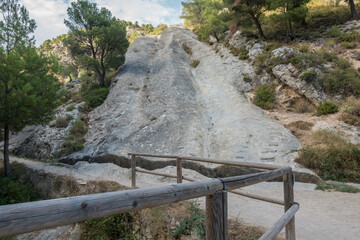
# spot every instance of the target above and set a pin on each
(160, 104)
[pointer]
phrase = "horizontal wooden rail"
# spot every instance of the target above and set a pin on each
(258, 197)
(280, 224)
(237, 192)
(207, 160)
(231, 183)
(155, 173)
(27, 217)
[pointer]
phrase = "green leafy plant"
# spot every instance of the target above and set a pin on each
(326, 108)
(334, 32)
(70, 108)
(195, 63)
(61, 122)
(265, 97)
(337, 187)
(18, 188)
(332, 157)
(196, 221)
(108, 228)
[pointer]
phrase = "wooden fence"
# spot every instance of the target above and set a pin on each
(290, 207)
(27, 217)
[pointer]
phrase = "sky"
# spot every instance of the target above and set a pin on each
(50, 14)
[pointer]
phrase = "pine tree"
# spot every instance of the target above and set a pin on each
(28, 87)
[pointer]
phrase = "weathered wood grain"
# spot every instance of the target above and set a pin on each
(216, 216)
(207, 160)
(27, 217)
(288, 180)
(231, 183)
(280, 224)
(133, 171)
(179, 170)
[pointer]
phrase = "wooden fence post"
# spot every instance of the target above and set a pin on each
(289, 201)
(179, 170)
(133, 171)
(216, 216)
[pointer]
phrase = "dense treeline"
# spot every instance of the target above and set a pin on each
(268, 18)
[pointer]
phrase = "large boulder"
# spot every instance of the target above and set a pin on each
(160, 104)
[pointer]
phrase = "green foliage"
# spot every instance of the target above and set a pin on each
(304, 48)
(133, 35)
(333, 158)
(326, 108)
(349, 45)
(327, 15)
(108, 228)
(93, 95)
(334, 32)
(351, 112)
(96, 40)
(18, 188)
(196, 221)
(15, 26)
(32, 88)
(265, 97)
(205, 17)
(247, 78)
(61, 122)
(74, 141)
(337, 188)
(69, 71)
(310, 76)
(158, 30)
(341, 79)
(70, 108)
(195, 63)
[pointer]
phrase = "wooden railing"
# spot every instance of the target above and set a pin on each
(290, 207)
(27, 217)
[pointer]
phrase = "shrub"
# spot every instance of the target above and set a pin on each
(302, 125)
(70, 108)
(78, 129)
(74, 141)
(18, 188)
(195, 63)
(96, 97)
(333, 158)
(311, 77)
(334, 32)
(113, 227)
(304, 48)
(326, 108)
(300, 106)
(196, 221)
(187, 49)
(351, 112)
(349, 45)
(265, 97)
(61, 122)
(337, 187)
(341, 80)
(247, 78)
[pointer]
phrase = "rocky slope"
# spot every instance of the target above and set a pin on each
(159, 103)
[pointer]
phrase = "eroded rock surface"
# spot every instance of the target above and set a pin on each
(160, 104)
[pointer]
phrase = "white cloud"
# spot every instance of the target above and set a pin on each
(49, 14)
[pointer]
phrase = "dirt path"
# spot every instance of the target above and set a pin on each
(322, 215)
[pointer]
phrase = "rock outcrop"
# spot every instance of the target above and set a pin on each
(160, 104)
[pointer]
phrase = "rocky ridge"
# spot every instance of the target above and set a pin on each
(160, 104)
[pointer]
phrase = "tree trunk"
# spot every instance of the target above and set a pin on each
(258, 25)
(354, 14)
(6, 151)
(291, 32)
(101, 77)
